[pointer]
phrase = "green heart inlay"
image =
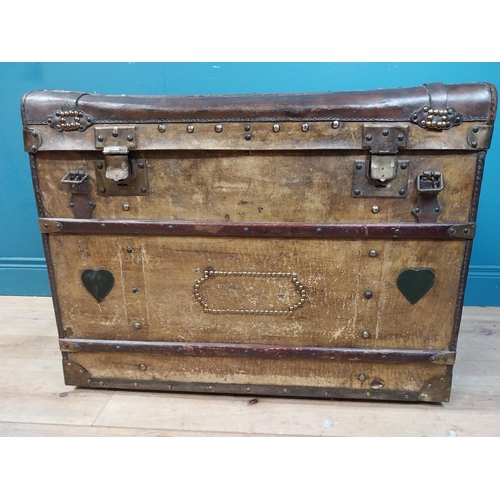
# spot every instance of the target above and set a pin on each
(415, 283)
(98, 282)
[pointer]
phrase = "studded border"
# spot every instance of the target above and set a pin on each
(211, 274)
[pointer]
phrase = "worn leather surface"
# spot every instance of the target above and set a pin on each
(475, 101)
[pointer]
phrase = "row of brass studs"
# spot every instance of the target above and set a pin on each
(69, 126)
(436, 113)
(219, 128)
(212, 274)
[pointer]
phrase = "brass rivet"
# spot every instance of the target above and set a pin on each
(474, 144)
(304, 127)
(375, 209)
(134, 289)
(137, 326)
(34, 149)
(362, 376)
(126, 206)
(276, 127)
(402, 192)
(247, 128)
(130, 138)
(129, 250)
(335, 124)
(248, 137)
(373, 253)
(100, 138)
(359, 166)
(190, 128)
(114, 133)
(369, 137)
(385, 132)
(474, 129)
(366, 334)
(162, 128)
(143, 189)
(357, 192)
(218, 128)
(101, 383)
(368, 294)
(142, 367)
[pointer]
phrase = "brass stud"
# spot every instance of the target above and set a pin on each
(375, 209)
(373, 253)
(190, 129)
(137, 326)
(366, 334)
(162, 128)
(304, 127)
(368, 294)
(126, 207)
(335, 124)
(362, 376)
(218, 128)
(276, 127)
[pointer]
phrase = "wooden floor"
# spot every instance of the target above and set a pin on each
(35, 402)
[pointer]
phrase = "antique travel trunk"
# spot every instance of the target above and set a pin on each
(301, 245)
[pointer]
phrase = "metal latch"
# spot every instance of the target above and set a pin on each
(429, 185)
(81, 203)
(117, 163)
(383, 175)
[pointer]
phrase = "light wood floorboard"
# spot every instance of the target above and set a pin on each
(35, 402)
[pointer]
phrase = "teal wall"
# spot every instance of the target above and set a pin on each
(22, 266)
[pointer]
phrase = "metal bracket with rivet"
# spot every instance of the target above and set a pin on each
(32, 140)
(479, 136)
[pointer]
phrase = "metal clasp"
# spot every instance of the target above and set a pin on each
(81, 203)
(429, 185)
(117, 163)
(75, 177)
(430, 182)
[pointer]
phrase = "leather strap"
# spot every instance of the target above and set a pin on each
(438, 95)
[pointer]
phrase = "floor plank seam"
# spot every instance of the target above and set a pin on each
(102, 409)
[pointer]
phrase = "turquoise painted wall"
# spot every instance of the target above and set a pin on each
(22, 266)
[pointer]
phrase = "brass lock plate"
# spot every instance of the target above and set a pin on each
(134, 185)
(365, 187)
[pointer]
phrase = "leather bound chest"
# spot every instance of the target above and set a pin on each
(309, 245)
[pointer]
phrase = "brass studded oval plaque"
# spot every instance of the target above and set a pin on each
(415, 283)
(98, 282)
(247, 292)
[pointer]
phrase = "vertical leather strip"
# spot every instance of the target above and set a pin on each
(438, 95)
(46, 244)
(460, 297)
(481, 155)
(53, 286)
(493, 105)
